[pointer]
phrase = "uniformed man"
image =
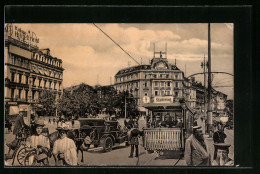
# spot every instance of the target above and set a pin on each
(222, 158)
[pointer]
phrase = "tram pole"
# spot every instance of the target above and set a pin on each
(209, 113)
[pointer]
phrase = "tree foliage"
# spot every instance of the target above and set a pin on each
(47, 100)
(83, 100)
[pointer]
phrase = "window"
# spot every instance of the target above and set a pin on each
(145, 76)
(161, 76)
(40, 80)
(162, 83)
(14, 60)
(176, 84)
(168, 83)
(20, 92)
(145, 94)
(20, 78)
(50, 85)
(168, 93)
(45, 81)
(156, 84)
(156, 93)
(145, 84)
(12, 93)
(154, 76)
(27, 79)
(12, 76)
(33, 81)
(137, 84)
(26, 95)
(167, 75)
(162, 93)
(176, 76)
(33, 94)
(176, 94)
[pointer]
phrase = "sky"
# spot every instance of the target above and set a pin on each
(91, 57)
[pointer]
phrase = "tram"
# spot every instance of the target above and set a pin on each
(168, 127)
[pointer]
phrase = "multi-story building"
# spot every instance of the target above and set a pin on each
(28, 70)
(159, 83)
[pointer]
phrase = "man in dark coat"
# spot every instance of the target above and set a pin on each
(18, 126)
(219, 137)
(134, 141)
(196, 151)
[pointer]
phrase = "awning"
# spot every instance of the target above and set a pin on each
(14, 110)
(141, 109)
(163, 107)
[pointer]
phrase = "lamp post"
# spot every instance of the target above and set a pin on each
(204, 65)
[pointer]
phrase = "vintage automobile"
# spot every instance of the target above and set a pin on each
(104, 133)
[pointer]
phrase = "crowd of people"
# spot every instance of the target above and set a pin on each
(64, 148)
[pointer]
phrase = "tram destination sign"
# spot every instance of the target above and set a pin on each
(163, 99)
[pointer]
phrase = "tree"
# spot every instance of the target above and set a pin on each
(47, 100)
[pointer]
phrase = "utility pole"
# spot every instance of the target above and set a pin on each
(205, 114)
(209, 113)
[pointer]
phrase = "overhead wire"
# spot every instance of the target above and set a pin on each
(115, 43)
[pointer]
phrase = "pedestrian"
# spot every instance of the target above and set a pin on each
(49, 120)
(53, 120)
(19, 125)
(196, 151)
(39, 142)
(219, 136)
(134, 142)
(222, 158)
(65, 149)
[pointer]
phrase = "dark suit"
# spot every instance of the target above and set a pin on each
(134, 142)
(18, 125)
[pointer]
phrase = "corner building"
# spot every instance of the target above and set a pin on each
(28, 71)
(159, 83)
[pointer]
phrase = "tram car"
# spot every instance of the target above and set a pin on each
(168, 127)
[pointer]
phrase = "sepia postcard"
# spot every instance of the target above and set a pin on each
(119, 94)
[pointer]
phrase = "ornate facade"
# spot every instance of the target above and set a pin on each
(28, 71)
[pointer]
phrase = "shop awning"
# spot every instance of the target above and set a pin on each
(141, 109)
(163, 107)
(14, 110)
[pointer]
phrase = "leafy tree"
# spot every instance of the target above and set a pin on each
(48, 101)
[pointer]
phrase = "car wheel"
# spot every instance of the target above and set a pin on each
(107, 144)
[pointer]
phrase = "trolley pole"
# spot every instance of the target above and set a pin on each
(204, 66)
(209, 113)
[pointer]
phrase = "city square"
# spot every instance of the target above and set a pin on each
(94, 89)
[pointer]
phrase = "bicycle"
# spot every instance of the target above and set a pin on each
(37, 156)
(21, 141)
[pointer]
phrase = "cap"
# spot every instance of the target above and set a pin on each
(39, 122)
(196, 127)
(222, 146)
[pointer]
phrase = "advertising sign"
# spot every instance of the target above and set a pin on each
(163, 99)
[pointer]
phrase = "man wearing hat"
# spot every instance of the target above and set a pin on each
(65, 149)
(134, 133)
(196, 151)
(39, 142)
(18, 127)
(222, 158)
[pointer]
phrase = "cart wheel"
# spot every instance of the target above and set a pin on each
(21, 155)
(27, 162)
(107, 144)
